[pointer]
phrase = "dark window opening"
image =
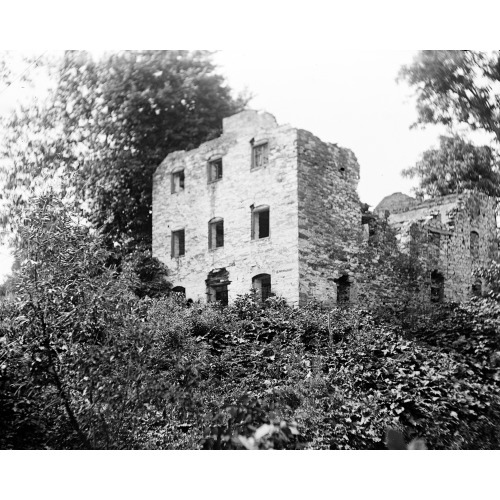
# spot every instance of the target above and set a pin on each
(177, 181)
(437, 287)
(217, 286)
(477, 288)
(259, 155)
(434, 245)
(369, 223)
(474, 244)
(343, 290)
(221, 294)
(260, 223)
(215, 170)
(216, 233)
(262, 286)
(180, 290)
(178, 247)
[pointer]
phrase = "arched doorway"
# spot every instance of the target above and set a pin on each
(343, 290)
(262, 286)
(477, 288)
(437, 287)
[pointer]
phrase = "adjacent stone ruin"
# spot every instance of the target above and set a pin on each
(457, 235)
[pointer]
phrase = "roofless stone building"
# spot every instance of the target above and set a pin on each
(263, 206)
(457, 234)
(273, 208)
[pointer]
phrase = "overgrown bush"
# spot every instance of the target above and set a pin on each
(86, 363)
(77, 349)
(147, 275)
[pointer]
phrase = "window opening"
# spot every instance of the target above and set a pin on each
(180, 290)
(434, 245)
(343, 290)
(217, 286)
(369, 224)
(215, 170)
(259, 155)
(437, 287)
(260, 223)
(474, 244)
(216, 233)
(477, 288)
(221, 294)
(178, 247)
(262, 286)
(177, 181)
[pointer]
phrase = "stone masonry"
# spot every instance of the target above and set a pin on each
(273, 208)
(329, 218)
(457, 234)
(298, 191)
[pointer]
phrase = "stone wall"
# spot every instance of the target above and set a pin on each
(387, 269)
(317, 244)
(443, 227)
(329, 217)
(419, 210)
(231, 198)
(473, 212)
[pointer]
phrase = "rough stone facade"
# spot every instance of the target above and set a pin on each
(308, 188)
(275, 209)
(329, 218)
(456, 234)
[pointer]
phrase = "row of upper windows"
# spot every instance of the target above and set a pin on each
(215, 168)
(260, 228)
(434, 239)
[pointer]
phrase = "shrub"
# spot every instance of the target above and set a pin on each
(79, 343)
(147, 274)
(86, 363)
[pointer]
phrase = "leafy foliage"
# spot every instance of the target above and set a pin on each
(456, 166)
(399, 270)
(86, 363)
(104, 127)
(491, 275)
(457, 86)
(75, 342)
(147, 274)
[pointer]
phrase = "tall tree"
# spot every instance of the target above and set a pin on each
(456, 166)
(457, 86)
(106, 125)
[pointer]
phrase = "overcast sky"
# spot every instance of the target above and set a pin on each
(345, 97)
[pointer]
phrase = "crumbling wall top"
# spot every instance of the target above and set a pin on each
(248, 119)
(441, 208)
(430, 203)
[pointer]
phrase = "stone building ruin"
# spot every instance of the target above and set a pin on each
(457, 233)
(272, 208)
(263, 206)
